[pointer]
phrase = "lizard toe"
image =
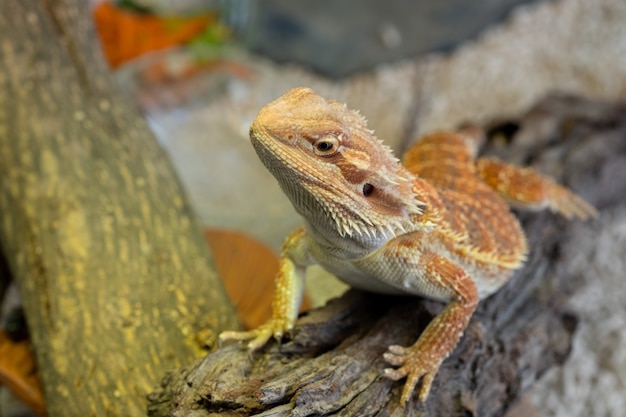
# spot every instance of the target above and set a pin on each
(258, 337)
(395, 360)
(415, 367)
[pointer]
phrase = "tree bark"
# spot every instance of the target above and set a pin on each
(115, 276)
(333, 364)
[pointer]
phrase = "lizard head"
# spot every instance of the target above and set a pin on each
(331, 166)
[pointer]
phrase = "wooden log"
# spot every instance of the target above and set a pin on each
(333, 364)
(114, 273)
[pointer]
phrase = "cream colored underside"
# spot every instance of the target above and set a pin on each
(384, 274)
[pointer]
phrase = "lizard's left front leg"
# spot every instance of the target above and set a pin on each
(423, 359)
(287, 296)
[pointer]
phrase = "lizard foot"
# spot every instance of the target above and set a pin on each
(258, 337)
(414, 364)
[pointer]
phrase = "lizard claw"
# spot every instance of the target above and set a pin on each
(414, 365)
(395, 357)
(258, 337)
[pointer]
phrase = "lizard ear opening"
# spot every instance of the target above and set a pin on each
(368, 189)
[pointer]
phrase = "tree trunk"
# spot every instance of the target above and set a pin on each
(333, 365)
(116, 279)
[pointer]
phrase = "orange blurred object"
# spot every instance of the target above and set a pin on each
(126, 35)
(19, 373)
(248, 269)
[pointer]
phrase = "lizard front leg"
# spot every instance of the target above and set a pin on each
(423, 359)
(287, 295)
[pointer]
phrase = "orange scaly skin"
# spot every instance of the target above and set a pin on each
(438, 226)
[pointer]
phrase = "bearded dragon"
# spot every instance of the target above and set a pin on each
(438, 225)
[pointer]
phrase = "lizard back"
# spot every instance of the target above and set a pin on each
(477, 220)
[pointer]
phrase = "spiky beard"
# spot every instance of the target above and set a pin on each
(350, 217)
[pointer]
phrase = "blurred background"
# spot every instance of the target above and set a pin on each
(201, 69)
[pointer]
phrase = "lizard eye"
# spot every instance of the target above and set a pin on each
(326, 146)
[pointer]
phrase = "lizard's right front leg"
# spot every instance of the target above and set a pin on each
(287, 296)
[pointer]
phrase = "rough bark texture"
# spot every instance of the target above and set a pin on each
(333, 364)
(114, 273)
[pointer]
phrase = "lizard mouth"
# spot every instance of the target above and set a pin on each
(281, 157)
